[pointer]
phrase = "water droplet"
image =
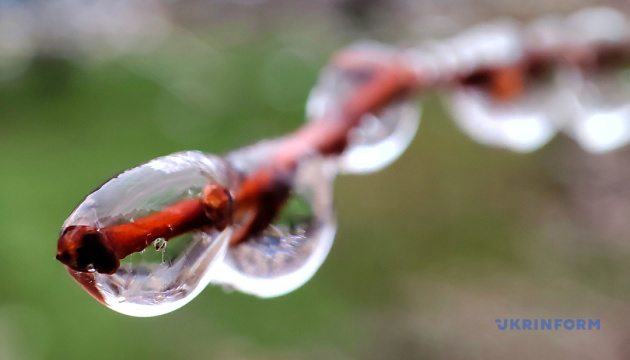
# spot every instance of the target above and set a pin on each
(380, 138)
(513, 107)
(290, 251)
(596, 109)
(520, 125)
(509, 106)
(150, 283)
(599, 109)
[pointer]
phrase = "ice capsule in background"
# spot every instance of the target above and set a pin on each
(292, 249)
(380, 138)
(523, 124)
(510, 107)
(599, 110)
(166, 275)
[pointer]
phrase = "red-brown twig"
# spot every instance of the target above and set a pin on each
(263, 193)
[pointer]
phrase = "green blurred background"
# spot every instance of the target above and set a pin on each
(429, 251)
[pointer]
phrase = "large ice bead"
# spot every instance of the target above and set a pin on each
(380, 138)
(292, 249)
(524, 124)
(599, 109)
(166, 275)
(504, 117)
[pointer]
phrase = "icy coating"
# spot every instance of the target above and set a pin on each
(292, 249)
(380, 138)
(521, 125)
(591, 107)
(166, 275)
(597, 105)
(598, 108)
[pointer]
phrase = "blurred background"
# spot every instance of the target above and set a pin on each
(429, 251)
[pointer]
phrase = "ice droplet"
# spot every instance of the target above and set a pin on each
(292, 249)
(522, 125)
(151, 283)
(596, 104)
(380, 138)
(599, 110)
(492, 108)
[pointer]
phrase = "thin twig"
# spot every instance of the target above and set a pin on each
(263, 193)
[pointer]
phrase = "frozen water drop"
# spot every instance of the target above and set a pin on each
(521, 125)
(500, 103)
(603, 131)
(380, 138)
(150, 283)
(600, 109)
(290, 251)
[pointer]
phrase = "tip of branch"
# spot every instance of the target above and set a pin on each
(85, 249)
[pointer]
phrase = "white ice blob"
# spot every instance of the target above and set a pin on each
(380, 138)
(603, 131)
(599, 110)
(523, 122)
(292, 249)
(161, 278)
(522, 125)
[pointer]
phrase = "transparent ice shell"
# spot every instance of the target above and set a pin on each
(166, 275)
(600, 110)
(292, 249)
(521, 124)
(599, 103)
(592, 108)
(380, 138)
(524, 124)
